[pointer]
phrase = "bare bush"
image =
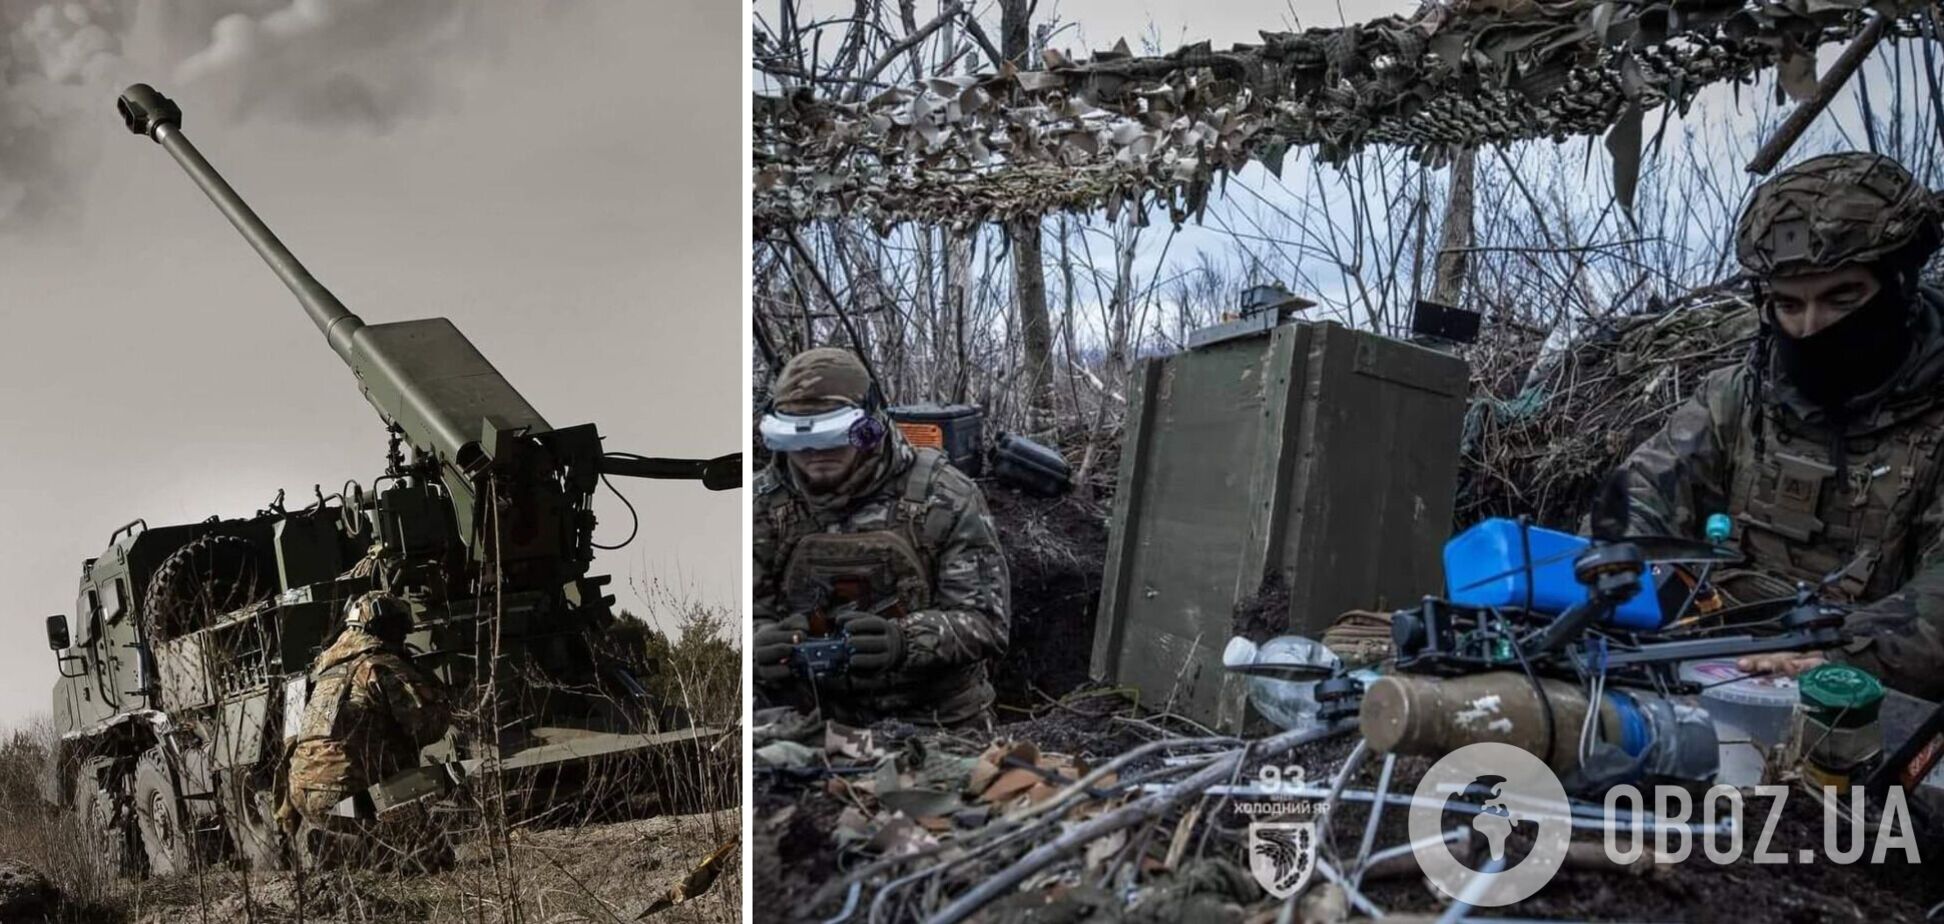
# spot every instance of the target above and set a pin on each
(36, 833)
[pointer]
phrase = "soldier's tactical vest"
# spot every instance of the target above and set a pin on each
(880, 571)
(1796, 518)
(884, 570)
(327, 719)
(869, 568)
(330, 688)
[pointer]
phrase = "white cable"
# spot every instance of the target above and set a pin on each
(1590, 729)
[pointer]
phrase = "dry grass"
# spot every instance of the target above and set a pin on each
(34, 833)
(582, 862)
(598, 873)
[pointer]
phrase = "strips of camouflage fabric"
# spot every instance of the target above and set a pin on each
(1119, 131)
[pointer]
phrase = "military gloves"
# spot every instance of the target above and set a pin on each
(877, 644)
(772, 646)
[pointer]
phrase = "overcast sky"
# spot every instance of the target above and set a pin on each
(561, 180)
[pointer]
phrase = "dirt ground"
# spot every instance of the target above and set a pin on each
(1056, 550)
(796, 855)
(1693, 890)
(598, 873)
(1265, 615)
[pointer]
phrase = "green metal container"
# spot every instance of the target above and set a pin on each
(1325, 454)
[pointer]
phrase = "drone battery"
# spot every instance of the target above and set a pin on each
(1499, 563)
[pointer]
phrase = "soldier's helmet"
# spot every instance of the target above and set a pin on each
(1835, 210)
(820, 380)
(380, 614)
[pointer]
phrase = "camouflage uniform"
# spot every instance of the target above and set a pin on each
(907, 537)
(370, 712)
(1815, 490)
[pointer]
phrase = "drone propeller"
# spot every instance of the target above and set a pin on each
(1611, 515)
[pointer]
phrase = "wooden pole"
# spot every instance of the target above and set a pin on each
(1826, 89)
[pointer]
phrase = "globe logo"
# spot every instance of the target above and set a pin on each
(1480, 807)
(1511, 798)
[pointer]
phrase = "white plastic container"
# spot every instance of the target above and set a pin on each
(1288, 704)
(1760, 706)
(1742, 763)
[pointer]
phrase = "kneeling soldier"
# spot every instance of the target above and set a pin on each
(370, 713)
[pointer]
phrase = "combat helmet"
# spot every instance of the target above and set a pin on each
(1835, 210)
(380, 614)
(822, 379)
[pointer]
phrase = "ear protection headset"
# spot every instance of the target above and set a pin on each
(868, 431)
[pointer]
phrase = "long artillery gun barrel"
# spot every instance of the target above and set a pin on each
(424, 377)
(149, 113)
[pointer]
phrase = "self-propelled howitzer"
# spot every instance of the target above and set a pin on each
(184, 671)
(447, 402)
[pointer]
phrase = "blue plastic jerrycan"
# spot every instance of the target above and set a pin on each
(1485, 566)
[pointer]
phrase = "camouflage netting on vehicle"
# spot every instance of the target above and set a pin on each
(1121, 131)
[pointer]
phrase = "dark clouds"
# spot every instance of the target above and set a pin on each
(362, 64)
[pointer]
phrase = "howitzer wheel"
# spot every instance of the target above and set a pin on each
(252, 825)
(107, 829)
(207, 577)
(167, 843)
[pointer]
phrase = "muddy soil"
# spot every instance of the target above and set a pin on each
(1056, 550)
(1266, 614)
(796, 855)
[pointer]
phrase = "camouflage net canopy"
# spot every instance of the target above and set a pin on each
(1120, 131)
